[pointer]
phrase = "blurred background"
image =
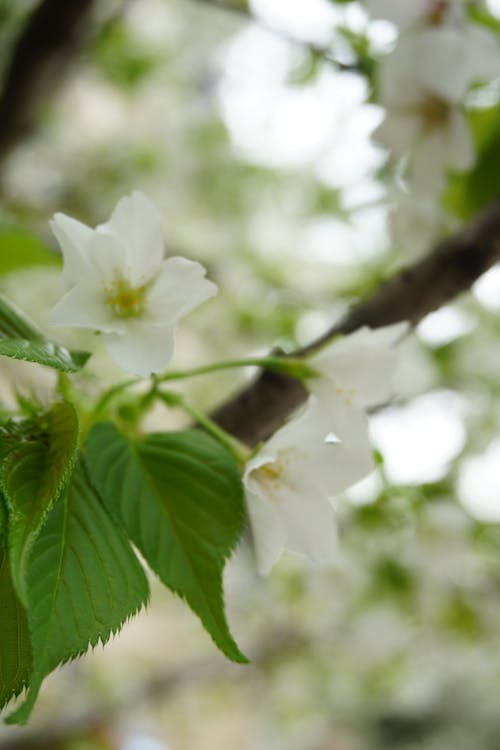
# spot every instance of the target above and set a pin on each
(250, 128)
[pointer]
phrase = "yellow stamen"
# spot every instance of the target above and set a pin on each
(437, 12)
(125, 301)
(434, 112)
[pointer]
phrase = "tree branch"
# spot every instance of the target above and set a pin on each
(48, 40)
(450, 269)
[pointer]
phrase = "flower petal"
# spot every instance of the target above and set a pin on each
(180, 286)
(460, 152)
(362, 364)
(400, 12)
(142, 349)
(267, 530)
(74, 239)
(138, 226)
(84, 306)
(398, 131)
(107, 255)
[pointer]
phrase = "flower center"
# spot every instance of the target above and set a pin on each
(437, 12)
(434, 112)
(124, 300)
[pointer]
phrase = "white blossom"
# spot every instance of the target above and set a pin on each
(119, 283)
(422, 85)
(359, 368)
(409, 14)
(322, 451)
(290, 480)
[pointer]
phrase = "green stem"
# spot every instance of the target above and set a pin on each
(238, 449)
(286, 365)
(107, 396)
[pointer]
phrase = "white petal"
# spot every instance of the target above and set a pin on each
(84, 306)
(142, 349)
(107, 255)
(180, 286)
(403, 13)
(482, 53)
(74, 239)
(440, 63)
(363, 362)
(460, 147)
(428, 163)
(399, 88)
(138, 226)
(267, 531)
(398, 132)
(309, 526)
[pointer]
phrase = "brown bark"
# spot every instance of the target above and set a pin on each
(49, 39)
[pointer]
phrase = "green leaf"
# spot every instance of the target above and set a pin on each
(84, 582)
(21, 339)
(15, 649)
(180, 497)
(44, 353)
(33, 473)
(469, 192)
(14, 324)
(20, 250)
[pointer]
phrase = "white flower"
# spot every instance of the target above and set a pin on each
(358, 368)
(290, 480)
(119, 283)
(406, 14)
(421, 123)
(443, 61)
(322, 451)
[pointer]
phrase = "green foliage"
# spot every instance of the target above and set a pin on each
(470, 191)
(14, 324)
(15, 649)
(44, 353)
(35, 464)
(121, 57)
(180, 498)
(84, 582)
(20, 250)
(21, 339)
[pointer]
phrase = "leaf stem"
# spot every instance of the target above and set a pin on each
(239, 450)
(294, 366)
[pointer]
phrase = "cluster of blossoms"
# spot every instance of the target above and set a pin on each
(440, 54)
(118, 283)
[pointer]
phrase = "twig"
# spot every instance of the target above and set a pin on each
(450, 269)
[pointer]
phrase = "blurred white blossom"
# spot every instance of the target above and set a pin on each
(322, 451)
(119, 283)
(291, 478)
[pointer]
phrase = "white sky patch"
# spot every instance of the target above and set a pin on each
(419, 440)
(487, 289)
(445, 325)
(479, 484)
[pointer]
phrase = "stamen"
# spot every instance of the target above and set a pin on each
(125, 301)
(434, 112)
(437, 12)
